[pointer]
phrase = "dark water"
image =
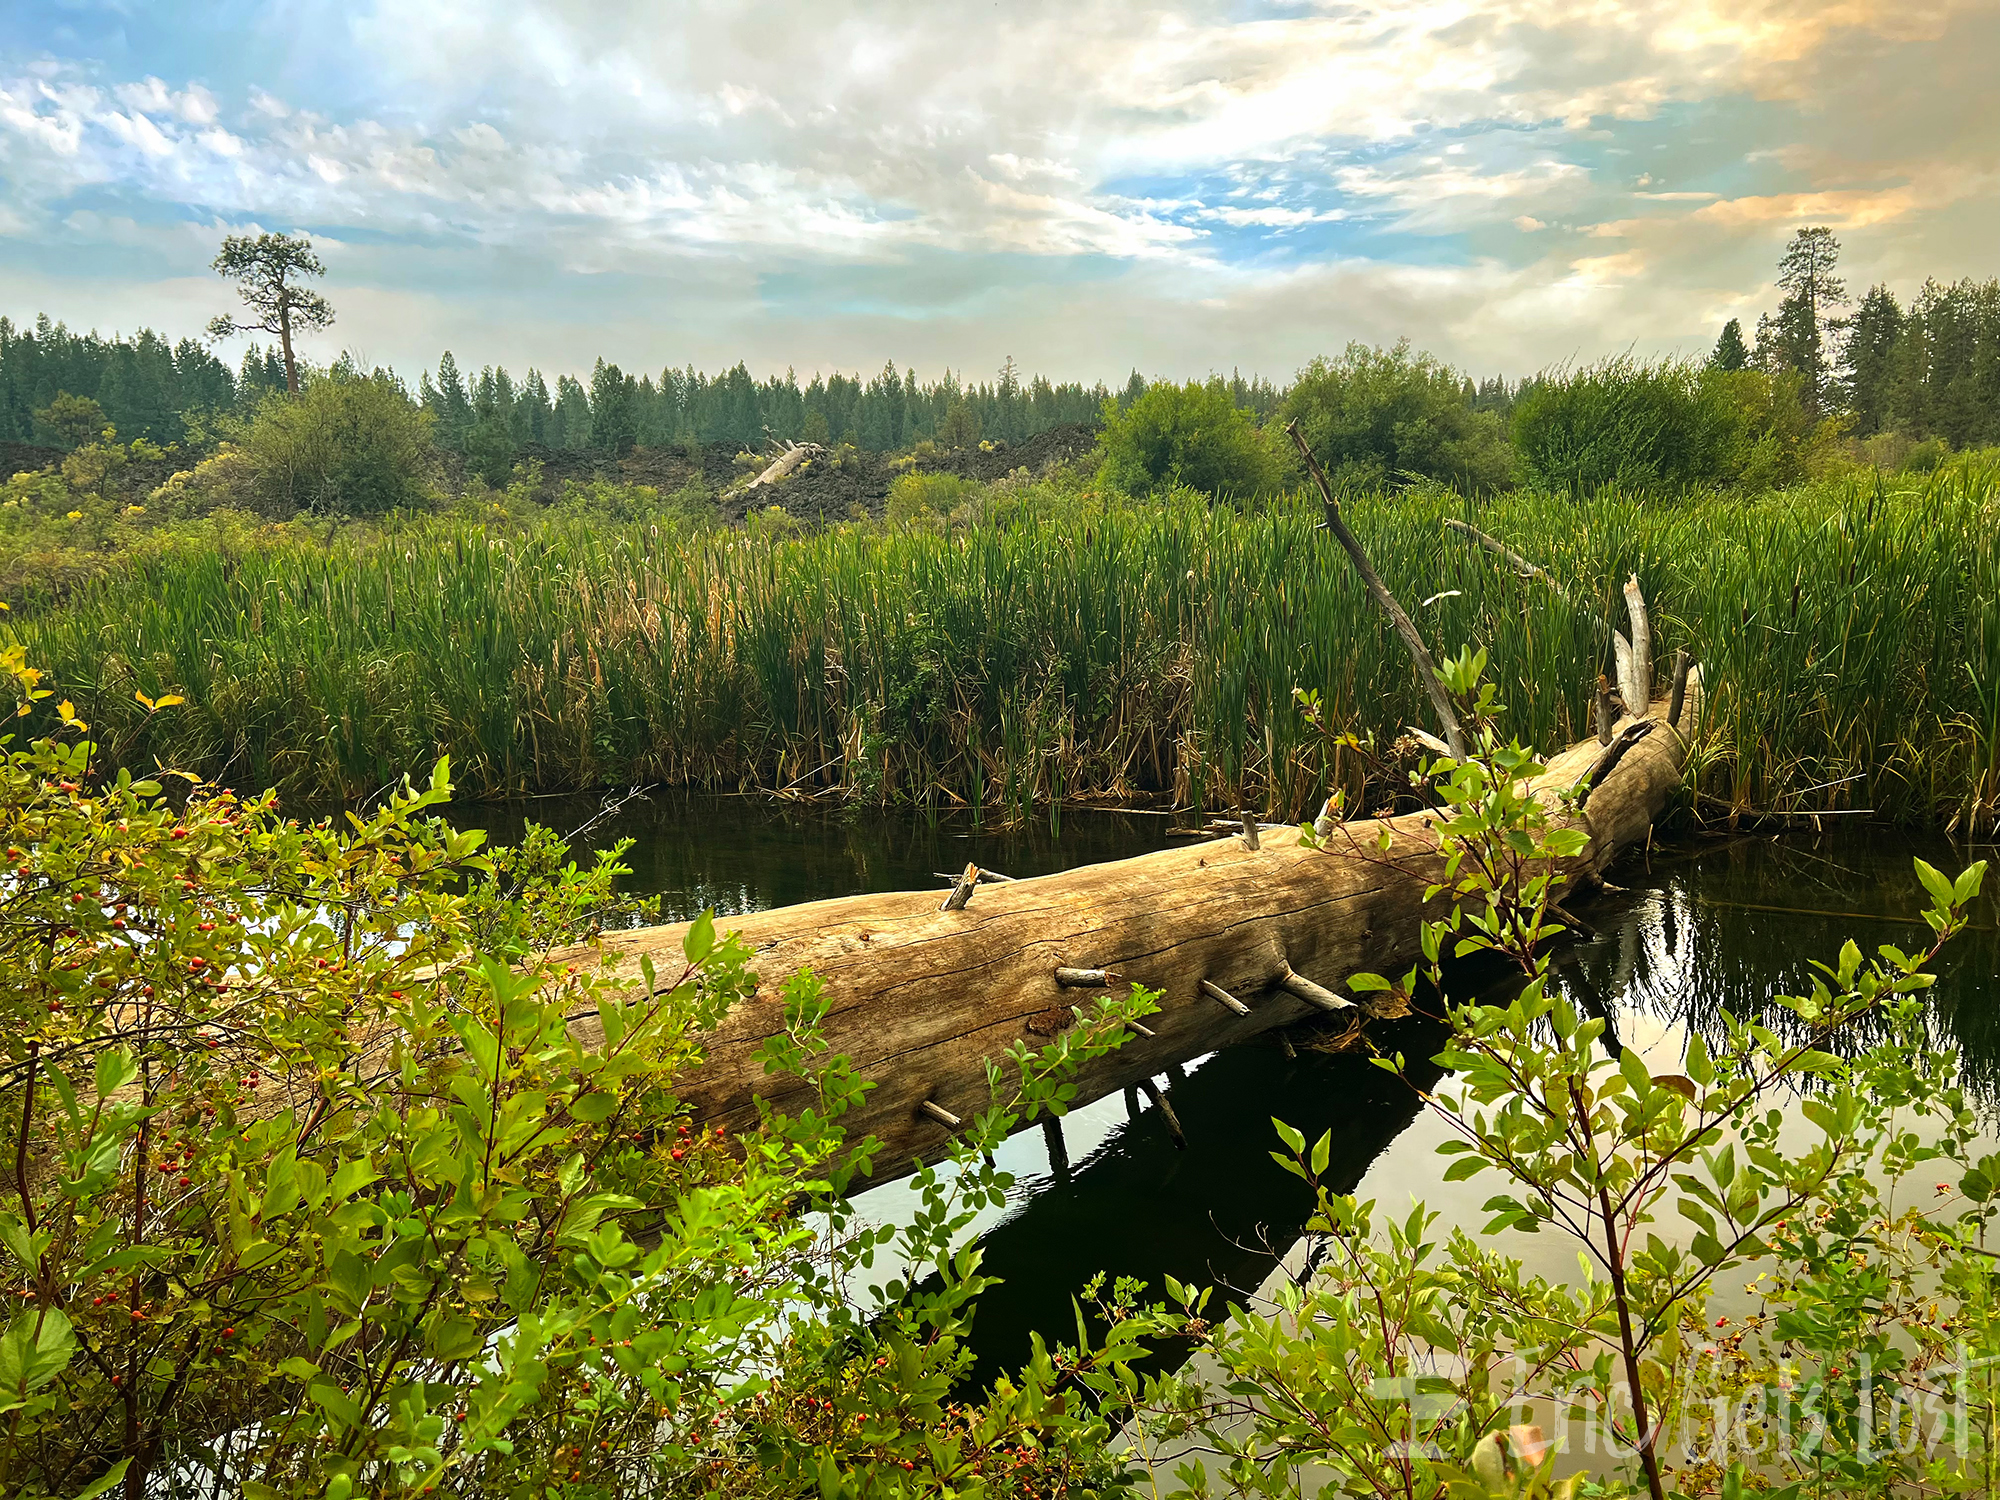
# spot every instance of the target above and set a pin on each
(1701, 926)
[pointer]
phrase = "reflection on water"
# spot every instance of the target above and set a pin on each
(1701, 927)
(1728, 925)
(739, 854)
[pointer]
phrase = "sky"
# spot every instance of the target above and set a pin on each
(1089, 188)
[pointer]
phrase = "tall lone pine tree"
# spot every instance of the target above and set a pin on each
(267, 269)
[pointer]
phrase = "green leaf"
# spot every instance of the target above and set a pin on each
(351, 1177)
(595, 1109)
(112, 1477)
(115, 1069)
(1934, 882)
(31, 1358)
(1363, 983)
(14, 1235)
(1292, 1138)
(1322, 1152)
(281, 1186)
(700, 939)
(1968, 883)
(1633, 1066)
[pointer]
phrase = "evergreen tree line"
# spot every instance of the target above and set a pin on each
(1928, 370)
(493, 413)
(146, 386)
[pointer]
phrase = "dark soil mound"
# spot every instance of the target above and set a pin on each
(1058, 445)
(26, 458)
(822, 492)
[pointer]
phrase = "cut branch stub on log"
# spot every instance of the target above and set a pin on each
(1313, 994)
(931, 1109)
(1420, 656)
(1682, 661)
(1223, 998)
(962, 892)
(1084, 979)
(920, 999)
(1607, 709)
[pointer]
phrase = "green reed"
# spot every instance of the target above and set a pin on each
(1059, 644)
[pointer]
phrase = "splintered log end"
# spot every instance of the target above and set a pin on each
(1144, 1031)
(1222, 997)
(1428, 740)
(1635, 661)
(962, 892)
(1250, 830)
(933, 1110)
(1607, 706)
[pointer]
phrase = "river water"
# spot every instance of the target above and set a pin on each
(1702, 925)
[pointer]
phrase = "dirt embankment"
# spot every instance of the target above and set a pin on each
(824, 491)
(26, 458)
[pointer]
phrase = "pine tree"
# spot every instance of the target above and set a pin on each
(613, 419)
(1797, 337)
(535, 409)
(1868, 360)
(1730, 351)
(449, 405)
(267, 270)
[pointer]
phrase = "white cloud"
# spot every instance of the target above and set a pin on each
(992, 156)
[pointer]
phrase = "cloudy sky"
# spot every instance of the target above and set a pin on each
(1089, 187)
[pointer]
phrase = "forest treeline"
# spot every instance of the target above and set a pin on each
(1827, 382)
(1928, 371)
(163, 392)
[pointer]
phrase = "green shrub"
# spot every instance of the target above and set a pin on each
(913, 495)
(316, 1194)
(347, 444)
(1190, 435)
(1634, 425)
(1376, 415)
(1925, 457)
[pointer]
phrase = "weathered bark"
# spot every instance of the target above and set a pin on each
(1236, 940)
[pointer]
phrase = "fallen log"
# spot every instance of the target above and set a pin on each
(788, 459)
(1236, 940)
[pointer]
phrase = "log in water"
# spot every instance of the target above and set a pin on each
(920, 997)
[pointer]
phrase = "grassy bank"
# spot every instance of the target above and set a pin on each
(1047, 642)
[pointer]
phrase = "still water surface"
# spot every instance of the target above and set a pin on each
(1705, 925)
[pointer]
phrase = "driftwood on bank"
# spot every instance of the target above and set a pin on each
(1235, 940)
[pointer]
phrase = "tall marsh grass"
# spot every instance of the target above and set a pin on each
(1054, 644)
